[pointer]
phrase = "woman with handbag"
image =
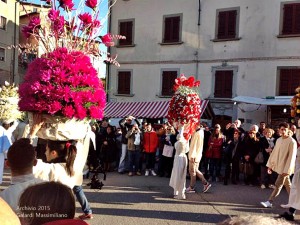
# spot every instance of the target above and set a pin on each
(251, 149)
(267, 143)
(168, 151)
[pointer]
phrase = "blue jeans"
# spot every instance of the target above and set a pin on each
(134, 159)
(78, 191)
(122, 163)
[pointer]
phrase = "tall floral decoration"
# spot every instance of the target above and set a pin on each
(63, 81)
(184, 108)
(295, 105)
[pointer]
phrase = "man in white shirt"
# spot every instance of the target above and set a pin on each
(20, 159)
(282, 161)
(195, 155)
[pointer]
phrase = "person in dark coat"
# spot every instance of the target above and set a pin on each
(232, 156)
(251, 149)
(267, 144)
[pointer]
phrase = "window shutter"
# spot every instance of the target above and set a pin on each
(176, 26)
(126, 30)
(228, 76)
(297, 19)
(167, 35)
(289, 81)
(231, 15)
(172, 29)
(227, 24)
(287, 27)
(285, 76)
(295, 80)
(291, 19)
(168, 79)
(222, 25)
(124, 81)
(223, 84)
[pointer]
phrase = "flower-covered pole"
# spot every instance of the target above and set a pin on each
(295, 105)
(184, 108)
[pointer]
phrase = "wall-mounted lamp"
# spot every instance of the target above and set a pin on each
(234, 103)
(284, 110)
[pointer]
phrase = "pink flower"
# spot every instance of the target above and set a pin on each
(58, 25)
(86, 19)
(107, 40)
(53, 14)
(63, 83)
(32, 27)
(66, 4)
(91, 3)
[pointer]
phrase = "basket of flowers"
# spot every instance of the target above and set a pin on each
(63, 84)
(9, 97)
(184, 108)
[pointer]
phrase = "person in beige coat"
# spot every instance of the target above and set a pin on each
(195, 155)
(294, 198)
(282, 161)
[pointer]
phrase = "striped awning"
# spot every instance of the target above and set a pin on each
(153, 109)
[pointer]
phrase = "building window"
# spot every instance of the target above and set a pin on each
(168, 79)
(2, 23)
(126, 29)
(124, 82)
(172, 29)
(223, 84)
(291, 19)
(289, 80)
(227, 24)
(2, 54)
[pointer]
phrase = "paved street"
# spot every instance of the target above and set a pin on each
(148, 200)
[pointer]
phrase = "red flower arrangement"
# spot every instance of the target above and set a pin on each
(184, 108)
(63, 83)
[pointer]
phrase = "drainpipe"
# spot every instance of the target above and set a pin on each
(15, 43)
(198, 44)
(108, 67)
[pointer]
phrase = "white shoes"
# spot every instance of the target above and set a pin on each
(266, 204)
(153, 173)
(147, 173)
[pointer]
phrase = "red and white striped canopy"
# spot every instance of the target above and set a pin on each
(153, 109)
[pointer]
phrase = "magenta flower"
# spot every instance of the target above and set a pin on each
(53, 14)
(66, 4)
(86, 19)
(107, 40)
(63, 83)
(32, 27)
(91, 3)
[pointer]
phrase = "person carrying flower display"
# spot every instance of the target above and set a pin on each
(62, 85)
(184, 108)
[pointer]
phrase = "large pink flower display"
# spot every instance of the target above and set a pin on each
(63, 83)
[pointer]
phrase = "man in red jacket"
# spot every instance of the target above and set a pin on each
(150, 146)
